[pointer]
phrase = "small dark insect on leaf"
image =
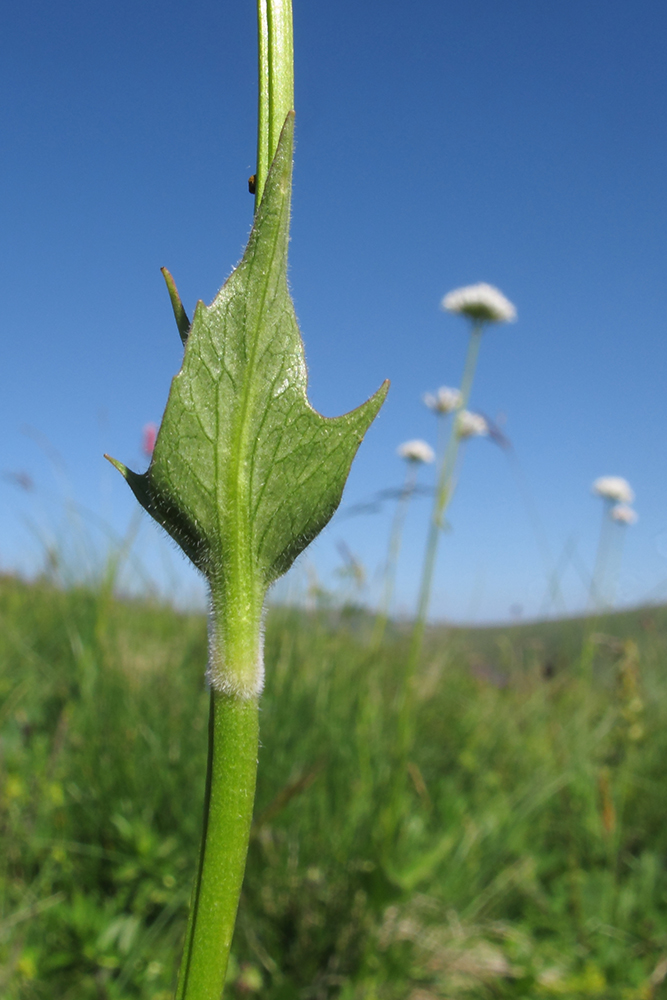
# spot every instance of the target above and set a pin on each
(251, 183)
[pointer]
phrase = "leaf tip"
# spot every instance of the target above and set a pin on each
(374, 404)
(123, 469)
(180, 315)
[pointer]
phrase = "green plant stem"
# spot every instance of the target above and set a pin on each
(441, 501)
(235, 657)
(276, 82)
(395, 535)
(441, 439)
(554, 596)
(598, 596)
(228, 805)
(552, 576)
(618, 532)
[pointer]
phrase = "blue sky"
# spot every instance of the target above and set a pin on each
(438, 144)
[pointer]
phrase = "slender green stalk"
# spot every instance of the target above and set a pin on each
(395, 536)
(598, 595)
(554, 592)
(230, 793)
(608, 561)
(244, 474)
(443, 495)
(235, 672)
(276, 82)
(236, 656)
(551, 571)
(616, 556)
(441, 442)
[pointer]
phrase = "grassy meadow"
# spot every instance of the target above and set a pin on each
(518, 852)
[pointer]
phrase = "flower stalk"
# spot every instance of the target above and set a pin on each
(228, 805)
(481, 304)
(236, 632)
(236, 668)
(443, 495)
(244, 474)
(415, 453)
(617, 495)
(276, 82)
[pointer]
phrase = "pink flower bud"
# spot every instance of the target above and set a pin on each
(148, 439)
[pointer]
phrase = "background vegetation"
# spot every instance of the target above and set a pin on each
(519, 854)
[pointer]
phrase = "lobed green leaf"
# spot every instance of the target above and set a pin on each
(242, 463)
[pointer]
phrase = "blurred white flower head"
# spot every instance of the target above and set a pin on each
(624, 514)
(445, 400)
(416, 451)
(614, 488)
(481, 302)
(471, 425)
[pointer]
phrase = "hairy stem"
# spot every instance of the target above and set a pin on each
(235, 660)
(276, 82)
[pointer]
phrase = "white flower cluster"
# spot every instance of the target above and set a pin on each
(619, 492)
(445, 400)
(614, 488)
(624, 514)
(471, 425)
(416, 451)
(481, 302)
